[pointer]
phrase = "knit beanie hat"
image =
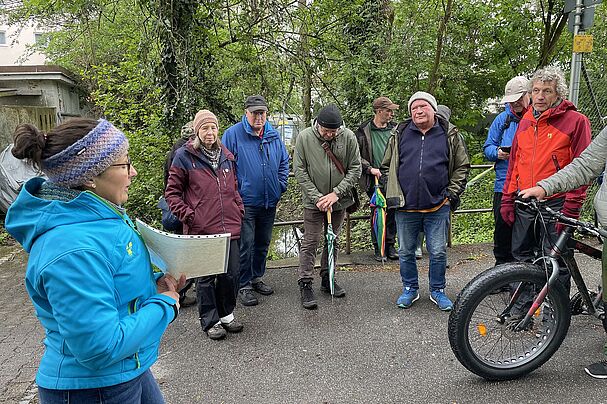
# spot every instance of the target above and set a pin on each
(422, 95)
(204, 116)
(329, 117)
(88, 157)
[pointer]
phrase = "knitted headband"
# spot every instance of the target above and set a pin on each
(88, 157)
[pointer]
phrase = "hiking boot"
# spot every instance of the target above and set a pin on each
(338, 291)
(216, 332)
(308, 301)
(247, 298)
(263, 289)
(377, 254)
(439, 298)
(392, 253)
(597, 370)
(233, 326)
(408, 297)
(186, 301)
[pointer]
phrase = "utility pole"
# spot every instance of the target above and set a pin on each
(581, 17)
(576, 58)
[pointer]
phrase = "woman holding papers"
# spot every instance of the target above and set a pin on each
(202, 191)
(89, 274)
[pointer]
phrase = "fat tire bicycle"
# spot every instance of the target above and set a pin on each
(510, 319)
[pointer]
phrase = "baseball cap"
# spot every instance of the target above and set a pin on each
(384, 102)
(515, 88)
(256, 103)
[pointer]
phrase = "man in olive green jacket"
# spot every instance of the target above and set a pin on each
(324, 188)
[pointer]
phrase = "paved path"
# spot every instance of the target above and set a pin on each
(359, 349)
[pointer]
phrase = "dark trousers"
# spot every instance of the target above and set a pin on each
(390, 224)
(502, 234)
(255, 237)
(216, 294)
(315, 226)
(529, 237)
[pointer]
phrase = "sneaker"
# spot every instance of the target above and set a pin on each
(408, 297)
(247, 298)
(392, 253)
(233, 326)
(597, 370)
(338, 291)
(263, 289)
(441, 300)
(418, 253)
(308, 301)
(216, 332)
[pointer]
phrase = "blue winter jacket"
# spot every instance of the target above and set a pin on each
(262, 165)
(93, 288)
(501, 133)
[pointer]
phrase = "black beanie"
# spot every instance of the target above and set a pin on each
(329, 117)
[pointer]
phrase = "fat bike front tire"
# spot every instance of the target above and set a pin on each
(482, 330)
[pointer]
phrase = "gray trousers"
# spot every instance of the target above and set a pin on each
(315, 225)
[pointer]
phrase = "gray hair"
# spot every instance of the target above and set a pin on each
(553, 74)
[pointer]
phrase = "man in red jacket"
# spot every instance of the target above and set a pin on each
(549, 136)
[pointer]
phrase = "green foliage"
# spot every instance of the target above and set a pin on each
(149, 66)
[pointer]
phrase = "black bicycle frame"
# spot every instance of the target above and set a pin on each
(564, 241)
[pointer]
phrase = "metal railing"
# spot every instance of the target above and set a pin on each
(352, 218)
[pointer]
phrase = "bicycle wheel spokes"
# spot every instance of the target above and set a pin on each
(493, 334)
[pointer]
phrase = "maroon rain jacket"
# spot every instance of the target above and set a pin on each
(206, 201)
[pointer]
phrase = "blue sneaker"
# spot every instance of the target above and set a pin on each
(407, 298)
(441, 300)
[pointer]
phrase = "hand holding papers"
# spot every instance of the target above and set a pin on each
(194, 256)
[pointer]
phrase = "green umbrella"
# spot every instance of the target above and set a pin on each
(330, 251)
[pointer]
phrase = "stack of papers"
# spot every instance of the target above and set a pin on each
(194, 256)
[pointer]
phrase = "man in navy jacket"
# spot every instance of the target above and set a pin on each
(262, 166)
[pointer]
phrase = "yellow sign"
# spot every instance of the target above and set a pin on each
(582, 43)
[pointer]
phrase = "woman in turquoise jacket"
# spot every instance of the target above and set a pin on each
(89, 275)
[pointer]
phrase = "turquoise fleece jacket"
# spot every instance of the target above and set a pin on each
(93, 288)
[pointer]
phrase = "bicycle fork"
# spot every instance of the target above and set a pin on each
(556, 252)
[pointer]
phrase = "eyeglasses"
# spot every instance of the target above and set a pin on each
(128, 165)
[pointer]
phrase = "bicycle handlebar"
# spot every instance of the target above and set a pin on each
(538, 206)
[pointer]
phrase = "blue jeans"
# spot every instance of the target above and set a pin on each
(255, 237)
(434, 225)
(142, 389)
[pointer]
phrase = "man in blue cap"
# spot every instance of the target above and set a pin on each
(262, 164)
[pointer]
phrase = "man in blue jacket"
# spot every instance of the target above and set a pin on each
(262, 164)
(497, 148)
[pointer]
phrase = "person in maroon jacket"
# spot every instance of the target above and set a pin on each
(202, 191)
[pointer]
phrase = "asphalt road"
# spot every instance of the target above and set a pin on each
(359, 349)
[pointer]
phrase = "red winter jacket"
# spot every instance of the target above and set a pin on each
(206, 201)
(543, 146)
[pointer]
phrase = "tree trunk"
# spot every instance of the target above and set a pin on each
(442, 29)
(304, 58)
(552, 33)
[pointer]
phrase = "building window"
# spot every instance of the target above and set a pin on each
(2, 37)
(38, 38)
